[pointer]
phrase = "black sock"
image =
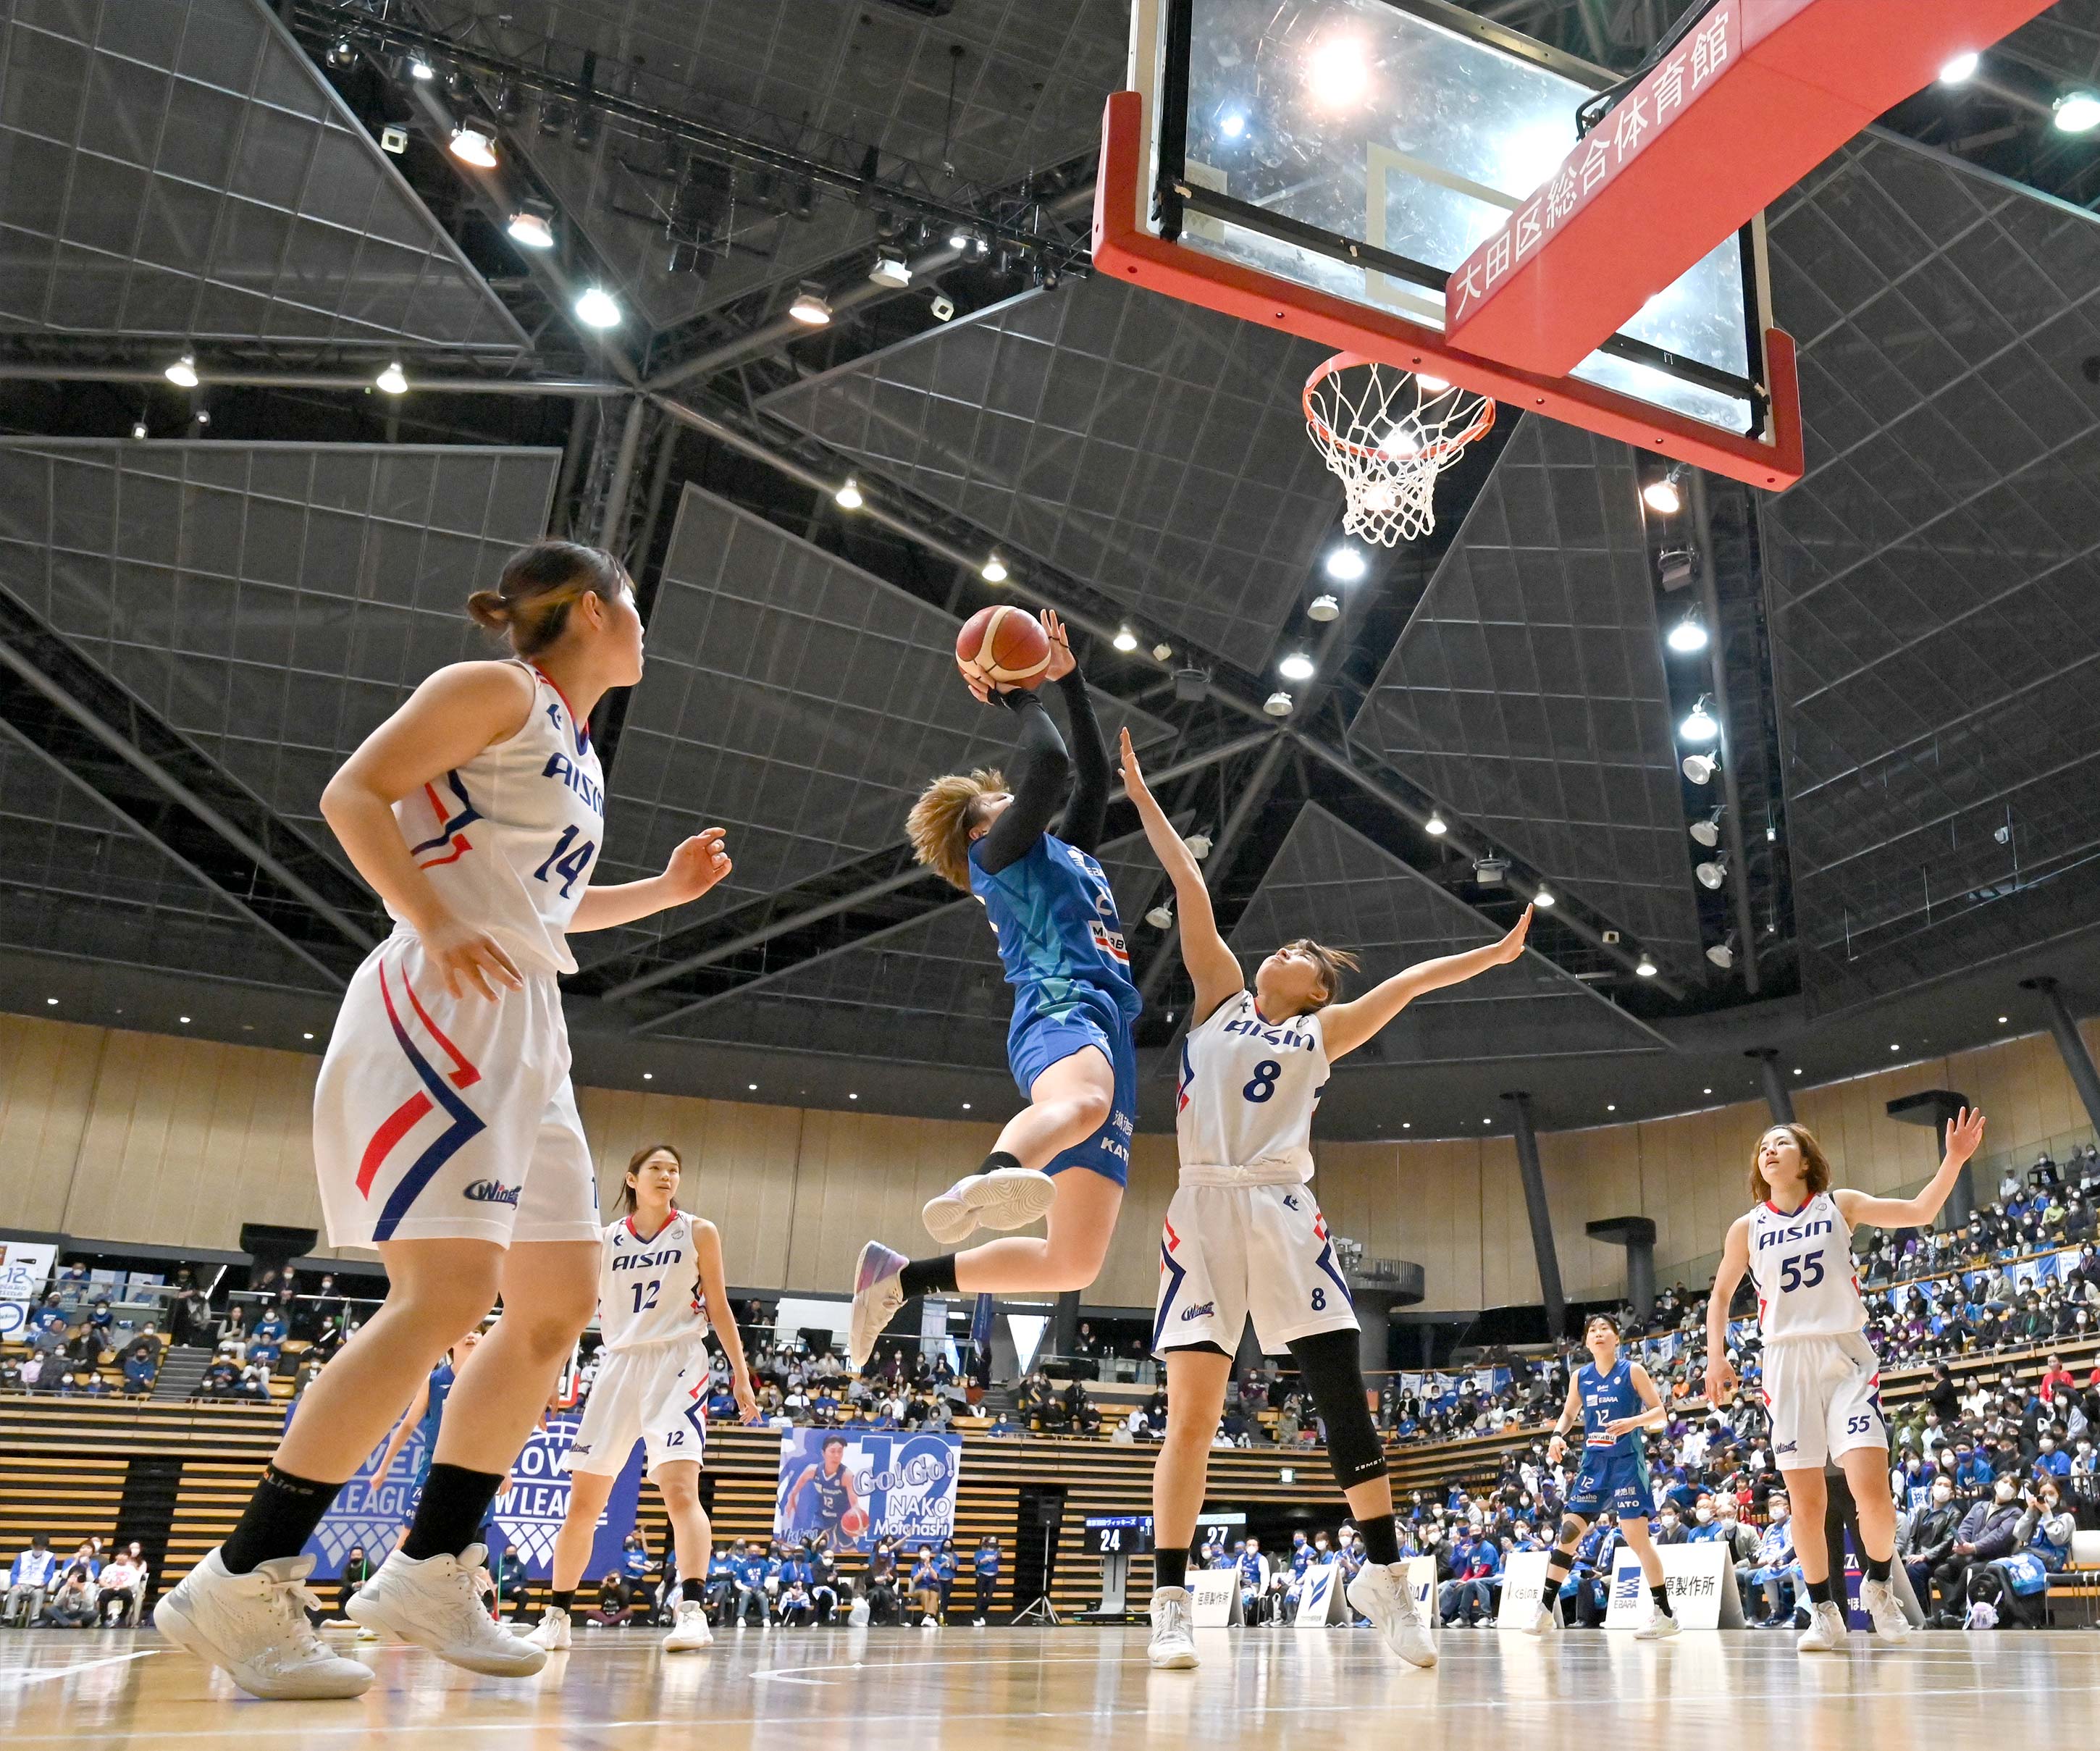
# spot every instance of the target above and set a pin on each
(1820, 1592)
(1661, 1595)
(692, 1590)
(448, 1518)
(929, 1277)
(1381, 1539)
(1170, 1568)
(1878, 1567)
(278, 1520)
(1000, 1158)
(561, 1602)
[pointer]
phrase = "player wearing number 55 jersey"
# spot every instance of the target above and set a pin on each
(1822, 1380)
(1244, 1238)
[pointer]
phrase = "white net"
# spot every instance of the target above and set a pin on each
(1387, 435)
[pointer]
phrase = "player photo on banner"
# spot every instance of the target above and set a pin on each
(848, 1491)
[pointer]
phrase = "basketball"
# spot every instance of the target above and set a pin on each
(853, 1523)
(1003, 647)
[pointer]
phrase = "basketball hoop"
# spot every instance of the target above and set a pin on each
(1389, 433)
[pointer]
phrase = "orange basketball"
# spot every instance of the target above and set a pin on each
(1003, 647)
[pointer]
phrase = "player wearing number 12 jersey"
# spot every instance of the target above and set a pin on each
(1822, 1380)
(1244, 1239)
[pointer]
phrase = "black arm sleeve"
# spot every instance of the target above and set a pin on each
(1041, 769)
(1088, 808)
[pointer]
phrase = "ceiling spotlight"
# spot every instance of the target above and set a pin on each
(1232, 125)
(475, 145)
(1708, 832)
(393, 138)
(204, 416)
(1645, 967)
(1125, 639)
(139, 429)
(1198, 844)
(1278, 704)
(1542, 898)
(529, 231)
(1345, 565)
(1162, 651)
(1723, 954)
(1687, 635)
(2077, 113)
(1161, 917)
(1699, 727)
(420, 68)
(1297, 666)
(1662, 496)
(1322, 608)
(1961, 69)
(596, 308)
(994, 570)
(849, 496)
(1436, 826)
(891, 269)
(1700, 768)
(183, 374)
(810, 307)
(943, 306)
(959, 241)
(1714, 871)
(1611, 1106)
(2003, 1020)
(392, 380)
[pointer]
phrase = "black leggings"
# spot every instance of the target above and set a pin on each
(1334, 1376)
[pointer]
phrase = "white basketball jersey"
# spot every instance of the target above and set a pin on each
(1803, 1266)
(649, 1286)
(509, 838)
(1244, 1111)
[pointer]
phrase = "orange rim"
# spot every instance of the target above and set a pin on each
(1437, 452)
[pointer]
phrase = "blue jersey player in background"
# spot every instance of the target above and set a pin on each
(1615, 1400)
(1067, 1154)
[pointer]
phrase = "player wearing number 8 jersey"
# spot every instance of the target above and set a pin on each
(445, 1134)
(1244, 1238)
(1822, 1380)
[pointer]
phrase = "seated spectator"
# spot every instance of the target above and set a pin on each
(73, 1606)
(926, 1589)
(614, 1607)
(356, 1571)
(796, 1610)
(1988, 1531)
(1003, 1425)
(1925, 1537)
(1774, 1571)
(141, 1359)
(30, 1580)
(121, 1588)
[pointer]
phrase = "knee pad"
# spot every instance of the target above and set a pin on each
(1328, 1362)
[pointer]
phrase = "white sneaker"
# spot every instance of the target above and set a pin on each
(976, 1623)
(437, 1604)
(254, 1628)
(876, 1298)
(552, 1633)
(1006, 1197)
(1173, 1648)
(691, 1632)
(928, 1623)
(1825, 1633)
(1545, 1623)
(1660, 1627)
(1383, 1596)
(1878, 1599)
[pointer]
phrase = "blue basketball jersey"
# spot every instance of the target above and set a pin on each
(831, 1497)
(1054, 916)
(1605, 1399)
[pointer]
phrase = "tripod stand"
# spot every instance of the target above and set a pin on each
(1039, 1610)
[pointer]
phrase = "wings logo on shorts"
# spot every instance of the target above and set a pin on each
(466, 1124)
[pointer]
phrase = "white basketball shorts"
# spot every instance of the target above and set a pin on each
(1823, 1396)
(439, 1117)
(1227, 1253)
(655, 1393)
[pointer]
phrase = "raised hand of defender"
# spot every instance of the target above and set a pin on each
(1512, 944)
(697, 865)
(1133, 775)
(1062, 662)
(1963, 1134)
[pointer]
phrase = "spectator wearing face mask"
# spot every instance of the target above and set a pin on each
(1989, 1531)
(1925, 1539)
(1773, 1571)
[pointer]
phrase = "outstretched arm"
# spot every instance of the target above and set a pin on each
(1041, 769)
(1085, 814)
(1348, 1025)
(1962, 1137)
(1211, 965)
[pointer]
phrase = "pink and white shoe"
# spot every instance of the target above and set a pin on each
(877, 1295)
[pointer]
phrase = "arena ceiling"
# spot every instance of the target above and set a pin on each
(196, 624)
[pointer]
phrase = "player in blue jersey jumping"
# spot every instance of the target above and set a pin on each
(1614, 1400)
(1070, 1046)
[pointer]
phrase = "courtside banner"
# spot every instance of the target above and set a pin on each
(1320, 1600)
(1701, 1582)
(846, 1491)
(1214, 1598)
(1523, 1581)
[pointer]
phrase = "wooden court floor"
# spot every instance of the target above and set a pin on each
(1028, 1690)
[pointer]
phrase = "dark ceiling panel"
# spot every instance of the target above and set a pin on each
(1156, 450)
(179, 169)
(1029, 82)
(273, 601)
(797, 700)
(1935, 580)
(1331, 884)
(1527, 692)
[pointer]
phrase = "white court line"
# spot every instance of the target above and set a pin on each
(22, 1679)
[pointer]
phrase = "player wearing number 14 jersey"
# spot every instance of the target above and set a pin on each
(1822, 1379)
(1244, 1238)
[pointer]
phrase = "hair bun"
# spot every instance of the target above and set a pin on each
(488, 609)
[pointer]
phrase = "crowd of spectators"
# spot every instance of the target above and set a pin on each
(91, 1588)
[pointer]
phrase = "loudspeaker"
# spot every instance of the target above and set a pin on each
(270, 1244)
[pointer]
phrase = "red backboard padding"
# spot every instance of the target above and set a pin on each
(1753, 98)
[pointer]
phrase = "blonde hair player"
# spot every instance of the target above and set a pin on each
(661, 1273)
(1066, 1154)
(1244, 1238)
(445, 1132)
(1614, 1400)
(1822, 1379)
